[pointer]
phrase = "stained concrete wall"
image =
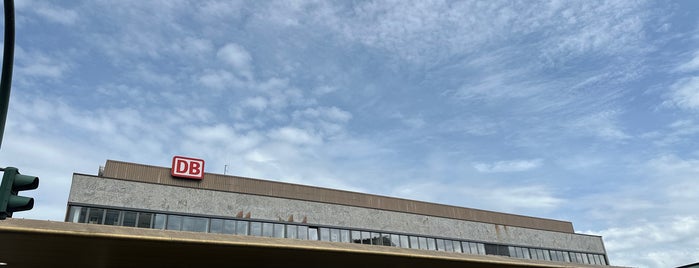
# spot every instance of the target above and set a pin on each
(218, 182)
(128, 194)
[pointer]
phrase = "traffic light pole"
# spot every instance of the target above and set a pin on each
(7, 63)
(12, 181)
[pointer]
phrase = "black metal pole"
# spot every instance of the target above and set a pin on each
(7, 62)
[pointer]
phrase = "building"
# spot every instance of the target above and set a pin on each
(135, 195)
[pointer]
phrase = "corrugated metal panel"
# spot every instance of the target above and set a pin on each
(161, 175)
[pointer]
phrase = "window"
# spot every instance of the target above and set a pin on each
(228, 226)
(366, 238)
(291, 231)
(525, 253)
(457, 246)
(423, 242)
(174, 222)
(385, 240)
(376, 239)
(267, 229)
(278, 230)
(216, 226)
(516, 252)
(324, 234)
(74, 214)
(111, 217)
(256, 228)
(466, 247)
(334, 235)
(566, 256)
(474, 248)
(144, 220)
(431, 245)
(159, 222)
(345, 236)
(95, 215)
(356, 237)
(395, 240)
(554, 255)
(481, 248)
(312, 233)
(546, 255)
(448, 245)
(575, 257)
(414, 242)
(303, 232)
(195, 224)
(404, 241)
(504, 251)
(130, 219)
(241, 227)
(441, 245)
(491, 249)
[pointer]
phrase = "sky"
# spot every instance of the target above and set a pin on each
(583, 111)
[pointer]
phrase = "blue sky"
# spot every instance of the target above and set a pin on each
(583, 111)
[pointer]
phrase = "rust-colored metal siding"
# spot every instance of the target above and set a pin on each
(218, 182)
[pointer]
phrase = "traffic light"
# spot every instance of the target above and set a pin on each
(13, 182)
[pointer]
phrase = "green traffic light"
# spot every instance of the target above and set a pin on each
(12, 183)
(24, 182)
(19, 203)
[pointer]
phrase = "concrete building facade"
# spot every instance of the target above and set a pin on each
(129, 194)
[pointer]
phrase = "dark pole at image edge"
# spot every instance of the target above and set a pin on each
(7, 62)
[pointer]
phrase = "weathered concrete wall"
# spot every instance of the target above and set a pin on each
(137, 195)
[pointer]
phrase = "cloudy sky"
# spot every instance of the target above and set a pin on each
(585, 111)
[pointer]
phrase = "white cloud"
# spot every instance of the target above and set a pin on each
(55, 14)
(35, 64)
(691, 65)
(197, 48)
(508, 166)
(685, 93)
(220, 137)
(655, 223)
(678, 132)
(664, 242)
(332, 114)
(237, 57)
(489, 195)
(525, 197)
(257, 103)
(438, 29)
(602, 124)
(477, 126)
(322, 90)
(215, 11)
(498, 85)
(295, 136)
(413, 122)
(219, 79)
(147, 74)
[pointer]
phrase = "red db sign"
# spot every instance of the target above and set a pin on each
(185, 167)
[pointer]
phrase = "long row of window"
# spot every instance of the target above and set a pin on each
(242, 226)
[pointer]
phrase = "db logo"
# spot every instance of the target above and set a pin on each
(185, 167)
